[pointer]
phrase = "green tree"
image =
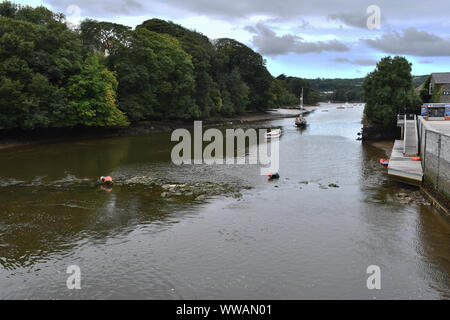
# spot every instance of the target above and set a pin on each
(238, 90)
(101, 37)
(201, 51)
(39, 59)
(294, 87)
(92, 96)
(155, 78)
(424, 93)
(232, 54)
(388, 90)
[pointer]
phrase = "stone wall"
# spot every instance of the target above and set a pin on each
(435, 156)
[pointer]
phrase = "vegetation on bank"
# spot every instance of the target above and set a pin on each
(338, 90)
(346, 90)
(107, 74)
(388, 91)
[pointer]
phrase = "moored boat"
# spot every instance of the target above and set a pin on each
(300, 121)
(273, 134)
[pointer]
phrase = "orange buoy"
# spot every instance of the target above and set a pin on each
(273, 176)
(384, 162)
(415, 158)
(107, 179)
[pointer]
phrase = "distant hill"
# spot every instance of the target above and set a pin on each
(341, 90)
(323, 85)
(338, 90)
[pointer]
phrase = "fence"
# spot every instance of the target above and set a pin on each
(435, 156)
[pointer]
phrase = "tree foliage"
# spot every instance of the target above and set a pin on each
(388, 91)
(155, 78)
(424, 93)
(108, 74)
(295, 86)
(92, 96)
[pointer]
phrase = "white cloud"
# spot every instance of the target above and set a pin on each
(359, 62)
(267, 42)
(411, 42)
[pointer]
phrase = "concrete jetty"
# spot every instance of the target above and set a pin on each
(429, 140)
(401, 166)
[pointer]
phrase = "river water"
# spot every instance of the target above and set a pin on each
(243, 238)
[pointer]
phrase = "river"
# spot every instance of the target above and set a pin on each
(294, 238)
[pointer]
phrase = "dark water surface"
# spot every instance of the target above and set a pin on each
(283, 239)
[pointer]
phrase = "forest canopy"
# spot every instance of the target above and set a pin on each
(107, 74)
(388, 91)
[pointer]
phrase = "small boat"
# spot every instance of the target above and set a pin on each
(300, 121)
(324, 110)
(340, 107)
(273, 134)
(384, 162)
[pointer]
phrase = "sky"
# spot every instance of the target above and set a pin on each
(303, 38)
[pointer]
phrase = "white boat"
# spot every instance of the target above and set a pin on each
(273, 134)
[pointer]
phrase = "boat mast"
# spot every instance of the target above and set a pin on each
(301, 100)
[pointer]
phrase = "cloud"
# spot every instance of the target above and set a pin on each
(100, 8)
(353, 19)
(399, 9)
(267, 42)
(411, 42)
(358, 62)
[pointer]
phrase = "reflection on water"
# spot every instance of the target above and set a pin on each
(311, 234)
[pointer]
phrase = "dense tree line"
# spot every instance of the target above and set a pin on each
(322, 84)
(338, 90)
(107, 74)
(389, 91)
(45, 79)
(293, 87)
(343, 95)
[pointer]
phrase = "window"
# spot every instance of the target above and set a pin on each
(436, 112)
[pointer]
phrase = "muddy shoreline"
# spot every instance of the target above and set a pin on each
(21, 138)
(385, 145)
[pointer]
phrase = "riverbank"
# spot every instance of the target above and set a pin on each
(386, 146)
(375, 133)
(20, 138)
(439, 200)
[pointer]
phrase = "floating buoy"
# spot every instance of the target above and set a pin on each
(273, 176)
(415, 158)
(384, 162)
(106, 180)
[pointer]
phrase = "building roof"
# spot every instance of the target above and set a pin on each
(441, 77)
